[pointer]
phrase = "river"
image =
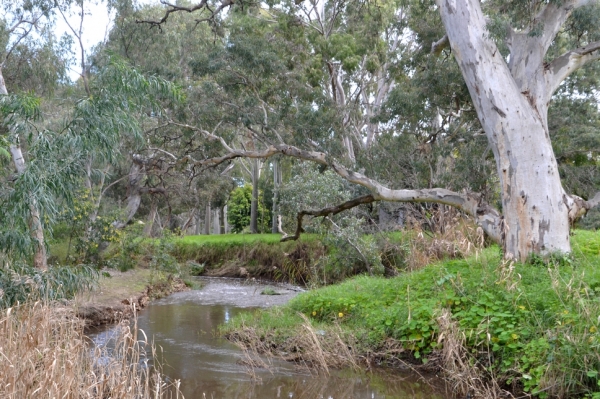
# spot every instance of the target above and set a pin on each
(184, 326)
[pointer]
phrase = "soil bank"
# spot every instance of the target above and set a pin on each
(118, 294)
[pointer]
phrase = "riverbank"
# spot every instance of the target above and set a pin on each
(119, 293)
(493, 328)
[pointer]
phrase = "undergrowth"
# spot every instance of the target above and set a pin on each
(20, 283)
(493, 326)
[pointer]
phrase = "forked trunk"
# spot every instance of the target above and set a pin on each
(511, 104)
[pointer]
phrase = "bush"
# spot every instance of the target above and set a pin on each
(20, 283)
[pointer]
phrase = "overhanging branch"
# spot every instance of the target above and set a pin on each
(594, 202)
(471, 203)
(332, 210)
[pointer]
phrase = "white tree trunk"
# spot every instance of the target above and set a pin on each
(150, 220)
(255, 169)
(207, 215)
(276, 183)
(534, 204)
(40, 258)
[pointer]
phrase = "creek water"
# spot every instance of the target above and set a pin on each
(184, 326)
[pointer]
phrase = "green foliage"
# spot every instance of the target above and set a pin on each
(238, 210)
(162, 259)
(129, 246)
(20, 283)
(85, 236)
(309, 189)
(351, 251)
(55, 158)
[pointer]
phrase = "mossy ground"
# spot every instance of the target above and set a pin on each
(495, 325)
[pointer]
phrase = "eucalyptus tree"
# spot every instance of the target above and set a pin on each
(169, 53)
(21, 20)
(513, 57)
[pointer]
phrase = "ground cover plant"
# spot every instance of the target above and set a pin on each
(494, 326)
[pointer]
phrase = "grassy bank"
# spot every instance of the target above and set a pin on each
(490, 325)
(251, 255)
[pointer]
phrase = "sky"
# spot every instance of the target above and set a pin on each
(97, 23)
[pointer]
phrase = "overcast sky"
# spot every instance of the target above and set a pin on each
(96, 25)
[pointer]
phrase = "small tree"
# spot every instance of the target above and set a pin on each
(239, 205)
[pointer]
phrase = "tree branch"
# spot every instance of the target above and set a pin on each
(437, 47)
(332, 210)
(207, 134)
(471, 203)
(172, 8)
(552, 17)
(569, 62)
(594, 202)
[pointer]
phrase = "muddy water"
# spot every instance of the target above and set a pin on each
(184, 326)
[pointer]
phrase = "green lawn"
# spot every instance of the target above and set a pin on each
(229, 239)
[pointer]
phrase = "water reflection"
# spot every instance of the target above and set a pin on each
(209, 366)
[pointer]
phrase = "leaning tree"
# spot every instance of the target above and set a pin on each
(513, 57)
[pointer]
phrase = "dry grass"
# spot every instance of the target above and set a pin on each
(451, 235)
(313, 349)
(461, 369)
(44, 354)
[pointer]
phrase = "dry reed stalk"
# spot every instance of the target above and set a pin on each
(312, 349)
(453, 235)
(44, 354)
(462, 370)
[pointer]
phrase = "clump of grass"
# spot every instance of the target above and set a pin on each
(493, 326)
(44, 354)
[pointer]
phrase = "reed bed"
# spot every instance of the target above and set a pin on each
(45, 354)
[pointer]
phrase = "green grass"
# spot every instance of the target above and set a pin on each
(229, 239)
(533, 327)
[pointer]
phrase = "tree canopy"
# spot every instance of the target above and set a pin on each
(490, 107)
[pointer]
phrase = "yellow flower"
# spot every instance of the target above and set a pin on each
(521, 307)
(314, 313)
(593, 329)
(340, 315)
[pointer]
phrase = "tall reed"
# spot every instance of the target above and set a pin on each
(45, 354)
